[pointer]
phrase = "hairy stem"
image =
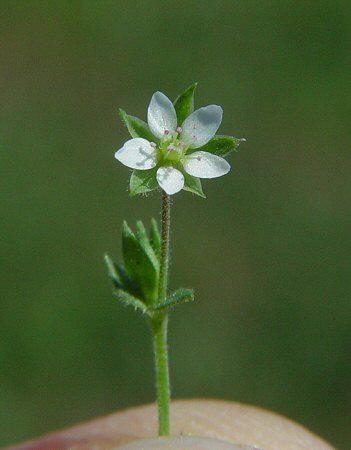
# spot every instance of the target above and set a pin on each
(159, 331)
(159, 323)
(164, 263)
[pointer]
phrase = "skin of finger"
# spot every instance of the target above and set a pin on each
(183, 443)
(228, 421)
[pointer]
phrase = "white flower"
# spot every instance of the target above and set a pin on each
(174, 153)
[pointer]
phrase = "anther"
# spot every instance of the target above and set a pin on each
(166, 132)
(179, 130)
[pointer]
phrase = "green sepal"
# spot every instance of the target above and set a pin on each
(130, 300)
(112, 272)
(221, 145)
(139, 267)
(184, 103)
(193, 184)
(181, 295)
(155, 238)
(142, 181)
(136, 126)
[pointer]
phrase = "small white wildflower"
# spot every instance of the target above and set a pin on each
(170, 154)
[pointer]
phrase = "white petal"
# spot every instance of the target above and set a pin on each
(137, 153)
(201, 125)
(170, 179)
(205, 165)
(161, 115)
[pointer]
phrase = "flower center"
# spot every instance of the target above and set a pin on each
(171, 148)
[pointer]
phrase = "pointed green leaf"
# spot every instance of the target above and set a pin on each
(130, 300)
(137, 127)
(193, 184)
(143, 181)
(113, 274)
(120, 278)
(139, 267)
(128, 285)
(145, 244)
(155, 238)
(222, 145)
(184, 104)
(179, 296)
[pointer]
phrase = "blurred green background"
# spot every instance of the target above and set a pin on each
(268, 251)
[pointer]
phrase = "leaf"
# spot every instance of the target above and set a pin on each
(222, 145)
(130, 300)
(136, 126)
(128, 284)
(120, 277)
(193, 184)
(179, 296)
(184, 103)
(155, 238)
(145, 244)
(143, 181)
(113, 274)
(140, 268)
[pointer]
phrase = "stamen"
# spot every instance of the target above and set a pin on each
(179, 130)
(171, 147)
(166, 132)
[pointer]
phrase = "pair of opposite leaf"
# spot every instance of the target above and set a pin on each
(136, 283)
(176, 147)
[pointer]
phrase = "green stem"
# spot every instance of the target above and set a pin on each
(159, 331)
(164, 263)
(159, 324)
